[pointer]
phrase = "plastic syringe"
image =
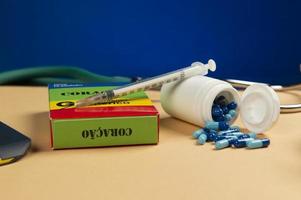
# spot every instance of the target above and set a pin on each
(196, 68)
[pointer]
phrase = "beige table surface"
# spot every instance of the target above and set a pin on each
(176, 168)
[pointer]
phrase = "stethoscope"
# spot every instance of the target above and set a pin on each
(284, 108)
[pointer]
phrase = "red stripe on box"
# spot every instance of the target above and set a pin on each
(96, 112)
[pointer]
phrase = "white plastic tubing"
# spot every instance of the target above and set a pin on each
(191, 99)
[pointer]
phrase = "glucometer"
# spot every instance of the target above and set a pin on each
(13, 144)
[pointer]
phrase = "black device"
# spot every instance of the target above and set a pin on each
(13, 144)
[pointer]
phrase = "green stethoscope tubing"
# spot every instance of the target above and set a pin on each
(56, 74)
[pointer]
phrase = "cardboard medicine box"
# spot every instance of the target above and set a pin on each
(129, 120)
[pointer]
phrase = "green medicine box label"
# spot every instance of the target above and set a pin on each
(127, 121)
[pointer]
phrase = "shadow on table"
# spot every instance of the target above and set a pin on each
(176, 126)
(40, 131)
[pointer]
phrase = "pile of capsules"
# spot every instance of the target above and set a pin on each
(222, 134)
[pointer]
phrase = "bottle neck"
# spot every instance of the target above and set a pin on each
(220, 88)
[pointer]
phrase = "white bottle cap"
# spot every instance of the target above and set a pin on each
(259, 108)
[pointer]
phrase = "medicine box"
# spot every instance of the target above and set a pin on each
(129, 120)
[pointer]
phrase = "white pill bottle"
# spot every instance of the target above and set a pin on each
(191, 100)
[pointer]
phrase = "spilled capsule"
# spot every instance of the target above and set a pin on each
(197, 133)
(247, 135)
(202, 138)
(222, 137)
(258, 143)
(240, 143)
(221, 144)
(230, 130)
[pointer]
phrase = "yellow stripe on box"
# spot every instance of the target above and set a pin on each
(56, 105)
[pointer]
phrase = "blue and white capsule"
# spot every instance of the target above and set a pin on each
(258, 143)
(227, 132)
(230, 130)
(232, 105)
(240, 143)
(241, 135)
(232, 113)
(216, 111)
(196, 134)
(228, 117)
(237, 134)
(222, 137)
(247, 135)
(212, 125)
(202, 138)
(225, 109)
(211, 135)
(221, 144)
(252, 135)
(217, 125)
(223, 126)
(220, 118)
(235, 127)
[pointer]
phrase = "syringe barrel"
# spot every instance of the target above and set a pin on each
(199, 69)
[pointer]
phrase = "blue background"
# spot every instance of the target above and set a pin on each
(253, 40)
